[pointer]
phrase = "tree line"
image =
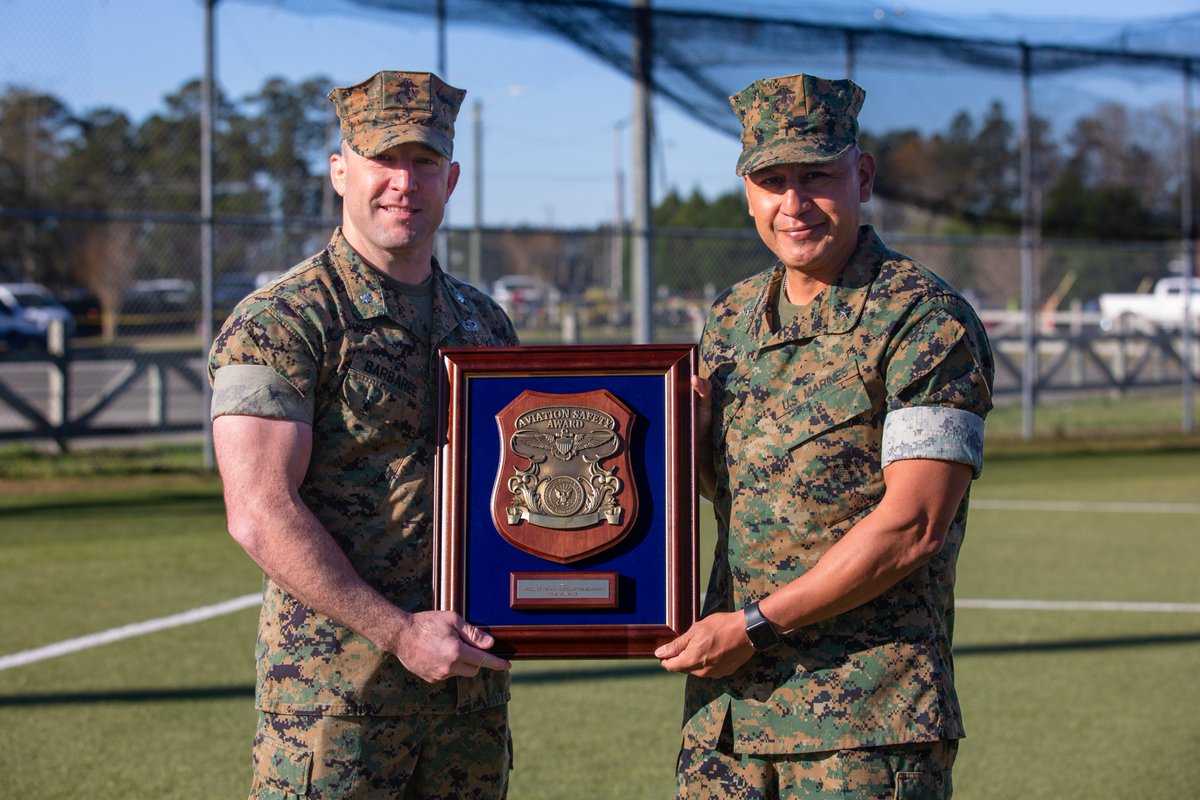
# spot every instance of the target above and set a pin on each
(1114, 177)
(81, 192)
(79, 189)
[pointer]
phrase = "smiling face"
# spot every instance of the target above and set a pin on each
(392, 205)
(808, 214)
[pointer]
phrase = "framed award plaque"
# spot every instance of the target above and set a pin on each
(566, 497)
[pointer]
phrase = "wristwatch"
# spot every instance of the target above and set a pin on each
(761, 632)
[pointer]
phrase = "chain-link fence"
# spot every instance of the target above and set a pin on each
(100, 223)
(135, 366)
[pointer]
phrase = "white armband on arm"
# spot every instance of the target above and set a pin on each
(935, 432)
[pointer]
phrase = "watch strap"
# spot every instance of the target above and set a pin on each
(761, 632)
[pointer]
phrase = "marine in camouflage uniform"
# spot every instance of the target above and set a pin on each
(847, 422)
(325, 416)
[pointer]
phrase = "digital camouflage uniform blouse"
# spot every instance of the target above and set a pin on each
(333, 345)
(888, 364)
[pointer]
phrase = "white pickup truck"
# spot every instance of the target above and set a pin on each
(1162, 307)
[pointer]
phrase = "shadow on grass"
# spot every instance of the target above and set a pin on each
(173, 500)
(590, 673)
(126, 696)
(1067, 645)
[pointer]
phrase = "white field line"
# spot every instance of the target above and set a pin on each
(1076, 506)
(247, 601)
(1080, 605)
(129, 631)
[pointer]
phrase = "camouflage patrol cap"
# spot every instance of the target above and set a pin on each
(797, 119)
(392, 108)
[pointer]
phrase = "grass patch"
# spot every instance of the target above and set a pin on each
(1058, 705)
(1066, 706)
(1135, 415)
(25, 462)
(82, 561)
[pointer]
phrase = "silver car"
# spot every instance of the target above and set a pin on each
(26, 312)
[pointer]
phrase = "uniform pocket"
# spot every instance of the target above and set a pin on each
(367, 396)
(829, 441)
(281, 771)
(374, 397)
(922, 785)
(842, 398)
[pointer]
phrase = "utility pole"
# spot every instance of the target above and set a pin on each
(475, 256)
(642, 258)
(442, 238)
(1029, 229)
(475, 242)
(1188, 225)
(617, 263)
(207, 115)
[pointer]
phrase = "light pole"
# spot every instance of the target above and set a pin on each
(208, 94)
(617, 263)
(475, 252)
(442, 238)
(641, 255)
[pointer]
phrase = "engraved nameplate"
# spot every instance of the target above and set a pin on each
(563, 590)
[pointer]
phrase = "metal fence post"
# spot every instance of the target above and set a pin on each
(1029, 224)
(59, 411)
(570, 326)
(1076, 342)
(157, 379)
(207, 246)
(1188, 223)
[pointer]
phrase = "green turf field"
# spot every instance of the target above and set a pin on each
(1060, 703)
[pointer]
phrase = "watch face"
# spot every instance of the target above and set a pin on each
(761, 635)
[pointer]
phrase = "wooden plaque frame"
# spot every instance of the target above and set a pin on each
(656, 565)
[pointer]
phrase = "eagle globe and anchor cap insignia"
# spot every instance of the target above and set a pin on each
(564, 490)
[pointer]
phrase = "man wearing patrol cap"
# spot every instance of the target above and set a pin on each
(847, 388)
(324, 424)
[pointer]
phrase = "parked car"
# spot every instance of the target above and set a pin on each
(85, 309)
(158, 294)
(159, 304)
(231, 287)
(527, 298)
(26, 312)
(1163, 306)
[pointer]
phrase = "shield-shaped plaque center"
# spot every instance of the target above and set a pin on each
(564, 489)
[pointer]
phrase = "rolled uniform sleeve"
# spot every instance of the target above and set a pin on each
(939, 380)
(262, 367)
(256, 390)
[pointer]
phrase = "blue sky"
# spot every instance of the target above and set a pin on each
(550, 150)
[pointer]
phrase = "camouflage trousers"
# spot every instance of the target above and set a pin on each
(429, 756)
(918, 771)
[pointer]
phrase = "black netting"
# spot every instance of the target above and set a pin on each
(701, 52)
